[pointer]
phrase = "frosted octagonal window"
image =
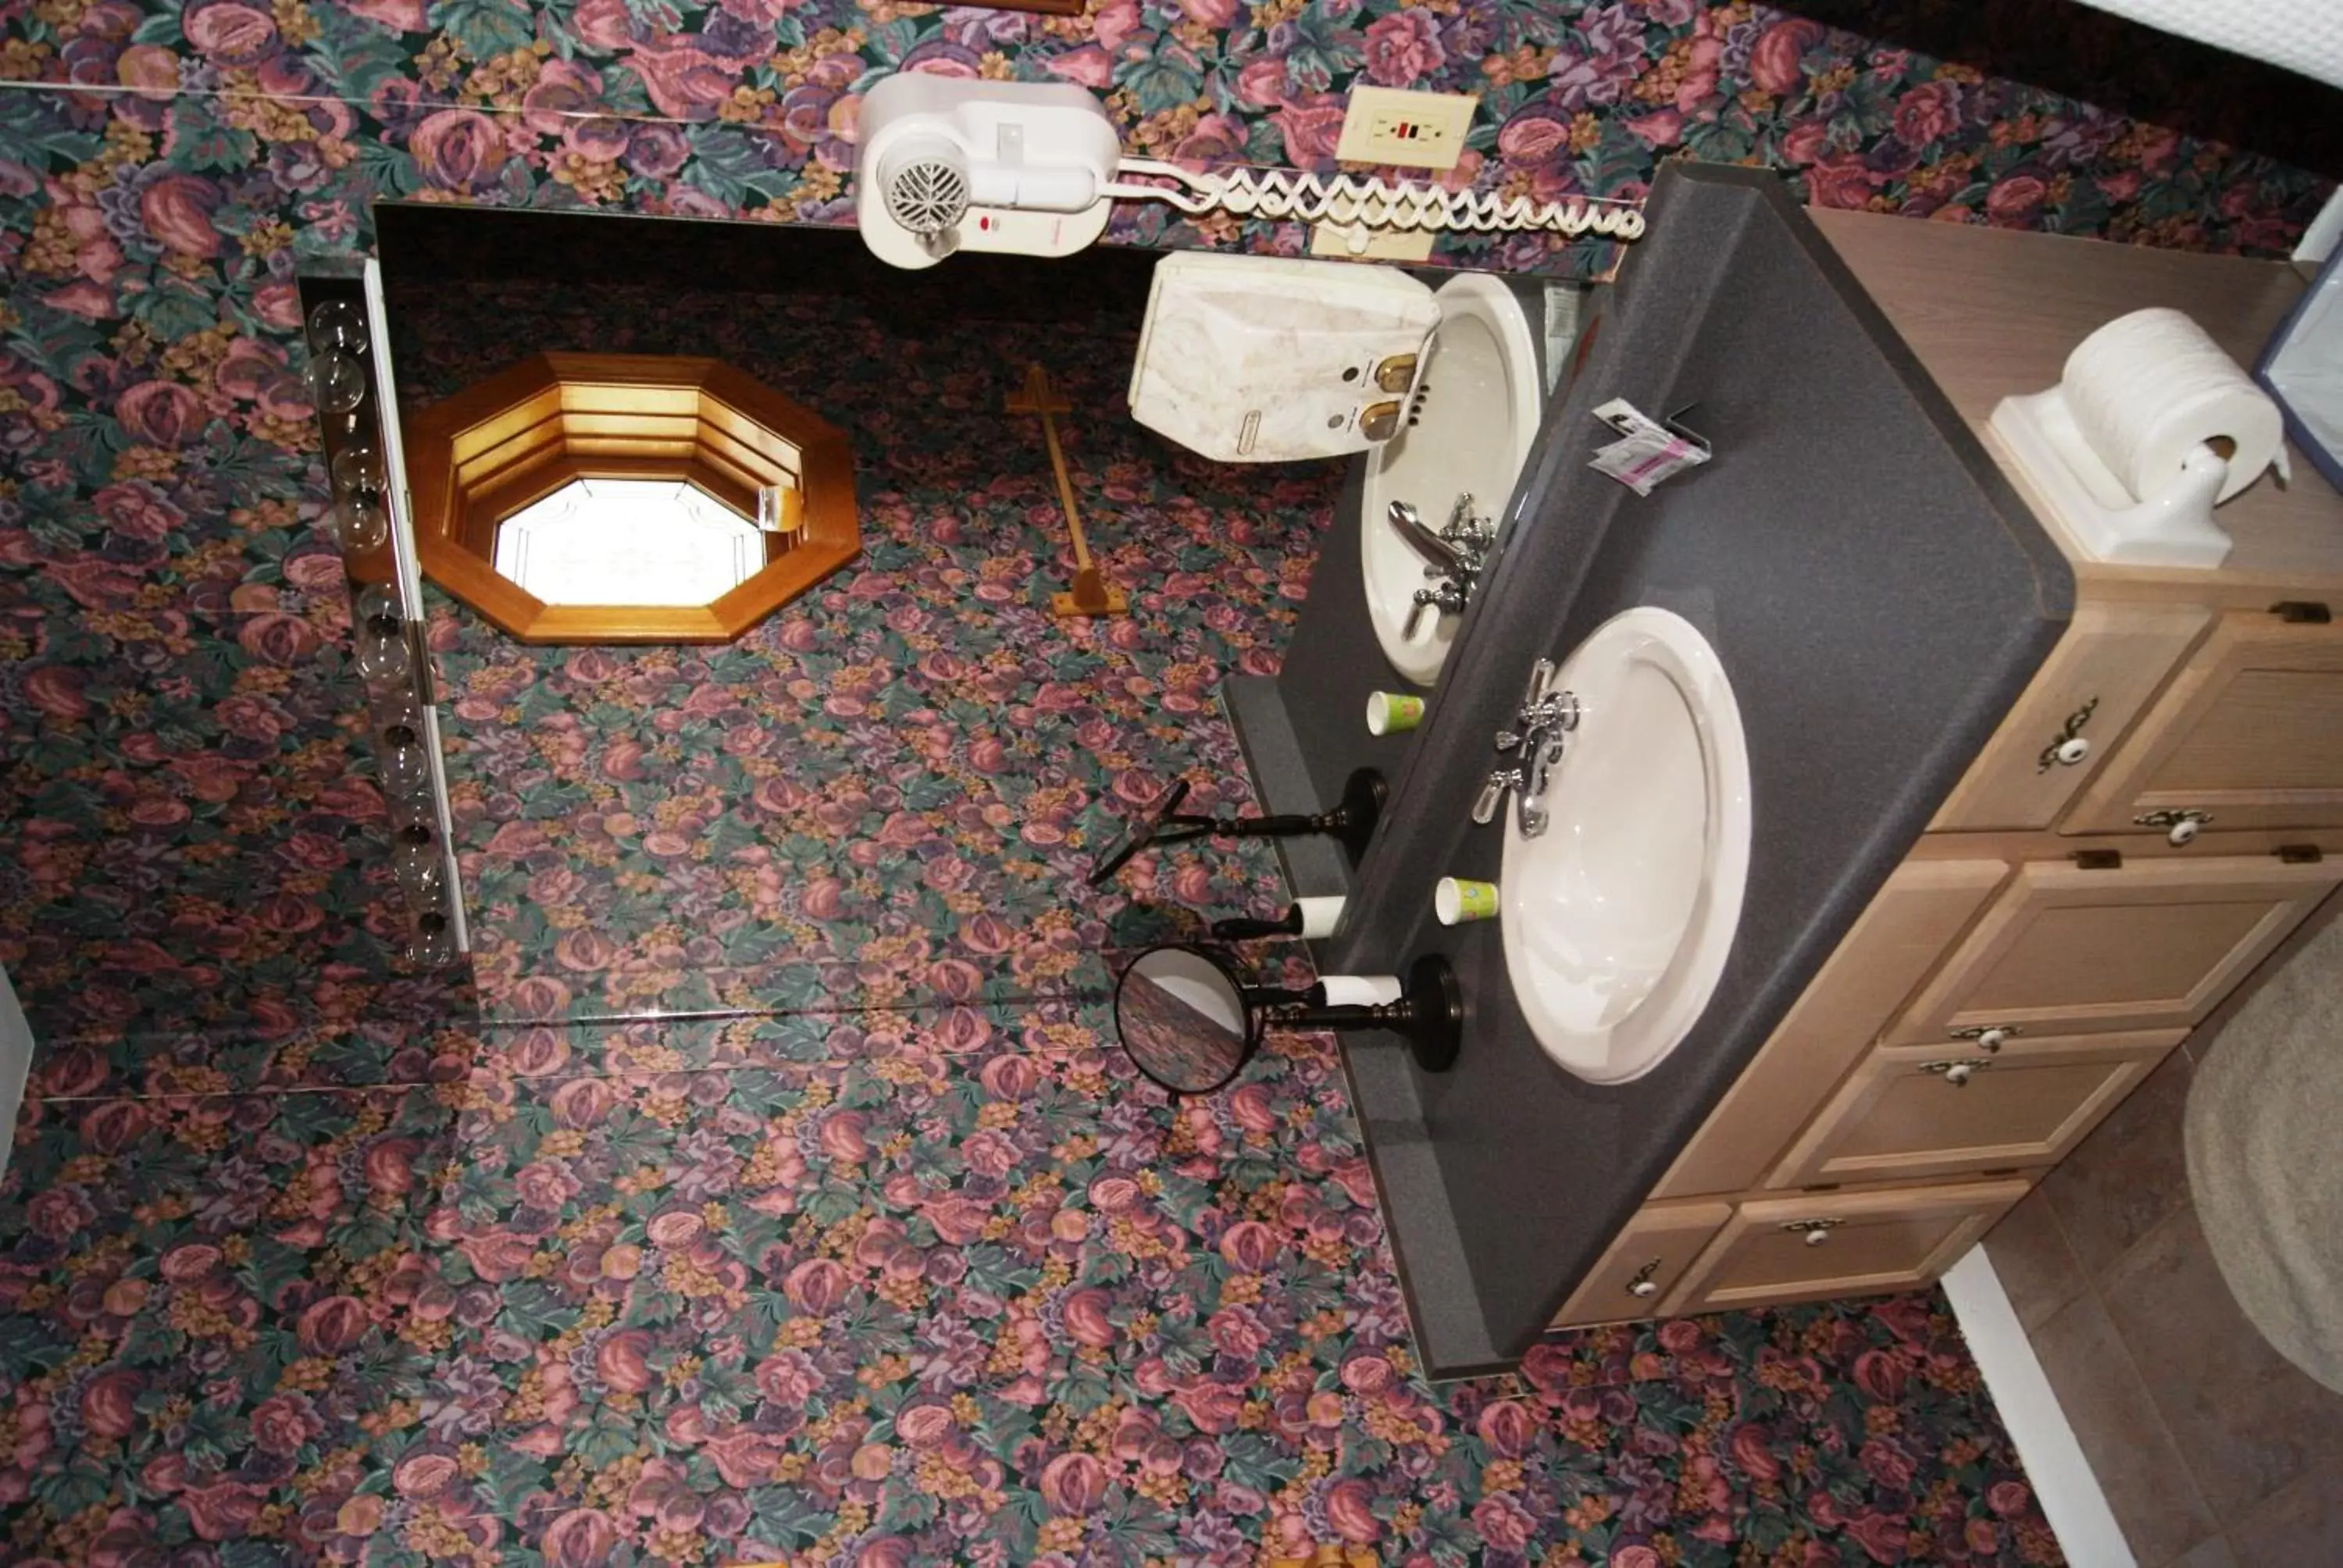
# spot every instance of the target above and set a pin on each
(617, 498)
(629, 541)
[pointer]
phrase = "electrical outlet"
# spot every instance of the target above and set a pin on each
(1383, 244)
(1421, 130)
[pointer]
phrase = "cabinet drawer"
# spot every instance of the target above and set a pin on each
(1912, 1112)
(2149, 944)
(1644, 1264)
(1895, 1239)
(1899, 938)
(2250, 734)
(2107, 667)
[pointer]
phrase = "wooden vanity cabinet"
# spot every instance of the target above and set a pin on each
(2159, 810)
(1643, 1263)
(2249, 734)
(1822, 1244)
(1910, 1113)
(2068, 948)
(2105, 670)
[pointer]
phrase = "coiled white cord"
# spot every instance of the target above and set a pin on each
(1360, 205)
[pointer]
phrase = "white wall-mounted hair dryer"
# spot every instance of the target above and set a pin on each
(947, 163)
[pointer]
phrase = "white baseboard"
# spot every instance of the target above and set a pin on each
(2055, 1466)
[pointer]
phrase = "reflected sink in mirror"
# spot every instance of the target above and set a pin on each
(1617, 918)
(1479, 406)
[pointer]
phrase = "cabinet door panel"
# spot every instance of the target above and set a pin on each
(1900, 937)
(1896, 1239)
(2151, 944)
(1658, 1244)
(2109, 663)
(1912, 1112)
(2250, 733)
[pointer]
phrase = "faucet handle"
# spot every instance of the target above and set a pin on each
(1539, 674)
(1557, 710)
(1492, 795)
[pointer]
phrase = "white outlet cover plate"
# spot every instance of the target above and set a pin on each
(1444, 117)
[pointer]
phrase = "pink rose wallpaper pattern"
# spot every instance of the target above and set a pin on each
(928, 1274)
(889, 794)
(931, 1278)
(957, 1287)
(196, 859)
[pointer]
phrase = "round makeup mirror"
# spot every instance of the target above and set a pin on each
(1185, 1019)
(1191, 1024)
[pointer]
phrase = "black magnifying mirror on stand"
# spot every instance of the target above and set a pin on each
(1351, 822)
(1191, 1024)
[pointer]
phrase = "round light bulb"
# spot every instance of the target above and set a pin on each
(397, 706)
(338, 325)
(420, 869)
(357, 524)
(404, 765)
(411, 813)
(357, 469)
(337, 382)
(381, 656)
(430, 945)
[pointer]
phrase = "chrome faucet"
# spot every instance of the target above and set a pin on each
(1540, 735)
(1453, 557)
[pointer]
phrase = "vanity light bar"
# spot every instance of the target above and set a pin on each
(350, 382)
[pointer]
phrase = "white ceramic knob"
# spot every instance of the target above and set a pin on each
(1993, 1040)
(1643, 1290)
(2183, 833)
(1958, 1074)
(1817, 1236)
(2073, 750)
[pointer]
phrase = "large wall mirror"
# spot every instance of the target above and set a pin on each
(886, 793)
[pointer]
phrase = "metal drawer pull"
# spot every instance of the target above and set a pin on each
(1957, 1074)
(1814, 1232)
(2180, 826)
(1642, 1287)
(2067, 747)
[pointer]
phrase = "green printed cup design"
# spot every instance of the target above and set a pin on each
(1456, 900)
(1388, 713)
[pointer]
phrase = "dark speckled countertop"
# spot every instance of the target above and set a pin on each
(1879, 596)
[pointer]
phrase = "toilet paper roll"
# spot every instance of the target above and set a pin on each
(2147, 389)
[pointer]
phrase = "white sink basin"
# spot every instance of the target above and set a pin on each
(1474, 429)
(1617, 919)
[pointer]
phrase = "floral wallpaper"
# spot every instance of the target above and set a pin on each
(305, 1258)
(958, 1289)
(890, 791)
(190, 842)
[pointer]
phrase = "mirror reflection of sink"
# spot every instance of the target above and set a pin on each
(1480, 404)
(1617, 918)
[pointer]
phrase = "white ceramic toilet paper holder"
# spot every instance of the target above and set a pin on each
(2174, 528)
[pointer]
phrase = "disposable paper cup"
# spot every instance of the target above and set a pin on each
(1456, 900)
(1388, 713)
(1361, 990)
(1320, 916)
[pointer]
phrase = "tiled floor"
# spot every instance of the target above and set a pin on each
(2214, 1450)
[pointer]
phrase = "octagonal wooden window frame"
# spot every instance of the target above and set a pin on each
(474, 458)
